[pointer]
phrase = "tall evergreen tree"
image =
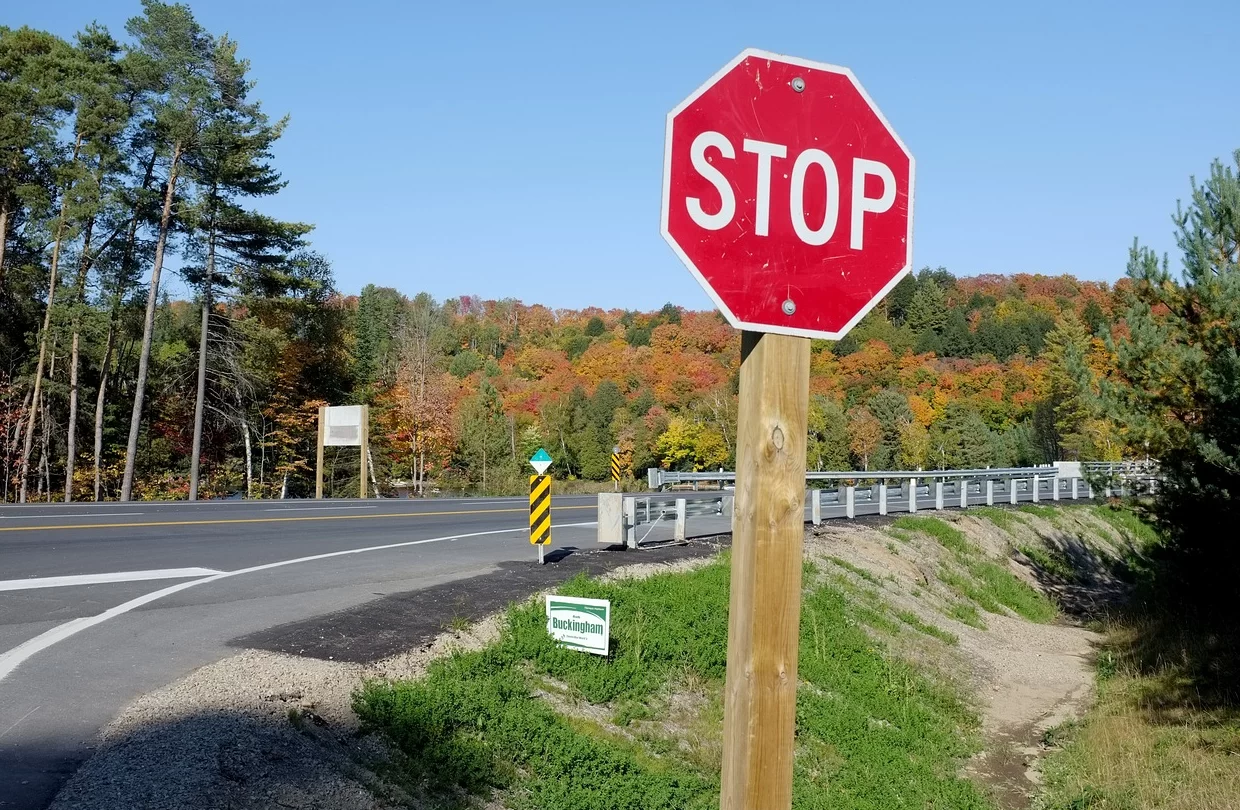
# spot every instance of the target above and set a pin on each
(232, 162)
(174, 55)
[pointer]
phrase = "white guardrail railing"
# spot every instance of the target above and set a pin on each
(869, 492)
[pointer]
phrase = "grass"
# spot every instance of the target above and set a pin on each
(1044, 512)
(1050, 560)
(949, 536)
(1002, 518)
(991, 586)
(966, 612)
(1164, 733)
(871, 731)
(1129, 525)
(1150, 742)
(853, 569)
(914, 621)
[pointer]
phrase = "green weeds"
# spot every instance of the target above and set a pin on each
(872, 732)
(949, 536)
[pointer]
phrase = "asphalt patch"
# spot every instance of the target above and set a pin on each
(400, 622)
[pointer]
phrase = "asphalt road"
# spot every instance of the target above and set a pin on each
(101, 603)
(79, 640)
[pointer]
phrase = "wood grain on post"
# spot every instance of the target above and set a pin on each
(759, 716)
(318, 464)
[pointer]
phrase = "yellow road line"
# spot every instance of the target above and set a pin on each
(522, 510)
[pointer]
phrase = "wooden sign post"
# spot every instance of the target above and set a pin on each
(789, 197)
(759, 710)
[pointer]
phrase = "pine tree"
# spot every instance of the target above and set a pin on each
(175, 56)
(232, 161)
(1179, 374)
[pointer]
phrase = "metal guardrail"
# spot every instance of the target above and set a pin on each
(914, 490)
(657, 479)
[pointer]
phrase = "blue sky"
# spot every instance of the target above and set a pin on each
(515, 149)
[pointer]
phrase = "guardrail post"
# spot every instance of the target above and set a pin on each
(882, 497)
(850, 507)
(1089, 490)
(1055, 488)
(1036, 483)
(815, 506)
(1011, 482)
(964, 493)
(630, 521)
(1106, 491)
(912, 494)
(680, 520)
(990, 492)
(1074, 482)
(938, 495)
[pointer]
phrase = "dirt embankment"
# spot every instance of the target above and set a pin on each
(263, 729)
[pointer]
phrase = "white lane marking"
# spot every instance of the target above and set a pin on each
(69, 516)
(315, 508)
(20, 720)
(12, 659)
(98, 579)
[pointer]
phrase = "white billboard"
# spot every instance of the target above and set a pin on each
(342, 426)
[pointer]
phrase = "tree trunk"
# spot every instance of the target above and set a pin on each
(114, 323)
(79, 297)
(370, 468)
(201, 395)
(148, 327)
(16, 441)
(99, 401)
(45, 451)
(71, 435)
(4, 236)
(249, 459)
(28, 446)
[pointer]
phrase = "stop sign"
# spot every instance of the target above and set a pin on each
(788, 195)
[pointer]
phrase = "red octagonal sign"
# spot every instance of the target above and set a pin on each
(788, 195)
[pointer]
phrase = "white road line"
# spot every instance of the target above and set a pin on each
(98, 579)
(20, 720)
(70, 515)
(315, 508)
(12, 659)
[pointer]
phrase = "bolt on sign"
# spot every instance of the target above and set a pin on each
(580, 624)
(789, 197)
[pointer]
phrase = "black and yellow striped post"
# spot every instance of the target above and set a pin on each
(615, 466)
(540, 512)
